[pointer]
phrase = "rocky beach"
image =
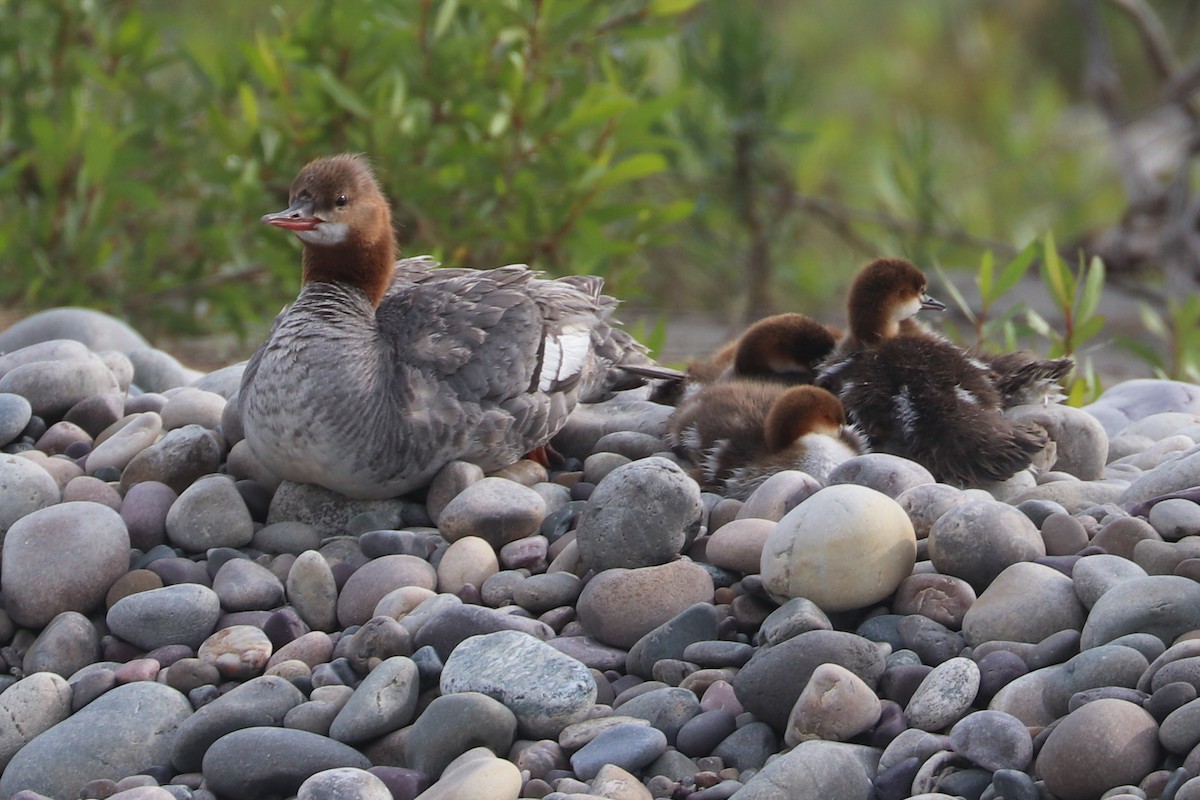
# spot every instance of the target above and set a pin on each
(179, 623)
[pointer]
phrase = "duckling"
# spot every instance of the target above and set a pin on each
(785, 348)
(916, 395)
(380, 373)
(740, 432)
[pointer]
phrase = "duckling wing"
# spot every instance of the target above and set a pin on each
(1021, 377)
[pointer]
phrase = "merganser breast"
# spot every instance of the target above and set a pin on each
(381, 372)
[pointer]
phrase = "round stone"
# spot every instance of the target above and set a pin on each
(61, 558)
(941, 598)
(243, 585)
(136, 433)
(1166, 606)
(144, 510)
(977, 540)
(123, 732)
(379, 576)
(927, 502)
(85, 488)
(312, 591)
(885, 473)
(259, 762)
(239, 652)
(25, 487)
(344, 783)
(845, 547)
(944, 695)
(209, 513)
(178, 459)
(738, 545)
(33, 705)
(190, 406)
(66, 645)
(438, 737)
(479, 775)
(701, 734)
(494, 509)
(628, 746)
(385, 701)
(538, 594)
(993, 740)
(252, 703)
(81, 327)
(1094, 575)
(15, 413)
(620, 606)
(545, 689)
(1081, 443)
(1025, 603)
(467, 560)
(835, 705)
(1175, 518)
(776, 496)
(286, 537)
(182, 614)
(640, 515)
(815, 770)
(52, 387)
(1100, 745)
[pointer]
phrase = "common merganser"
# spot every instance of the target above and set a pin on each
(913, 393)
(380, 373)
(740, 432)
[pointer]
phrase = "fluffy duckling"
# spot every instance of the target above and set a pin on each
(916, 395)
(740, 432)
(381, 373)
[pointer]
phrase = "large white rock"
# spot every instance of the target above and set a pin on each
(845, 547)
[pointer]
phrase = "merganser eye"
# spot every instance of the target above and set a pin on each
(341, 201)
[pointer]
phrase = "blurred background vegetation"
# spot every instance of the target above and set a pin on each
(732, 158)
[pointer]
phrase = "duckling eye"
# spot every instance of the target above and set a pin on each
(341, 201)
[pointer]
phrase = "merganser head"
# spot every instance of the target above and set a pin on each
(799, 411)
(336, 208)
(886, 293)
(782, 344)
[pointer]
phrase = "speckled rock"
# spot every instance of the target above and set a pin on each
(697, 623)
(944, 695)
(1096, 668)
(544, 688)
(209, 513)
(344, 783)
(30, 707)
(977, 540)
(641, 514)
(25, 487)
(326, 510)
(1025, 603)
(124, 731)
(1100, 745)
(312, 591)
(61, 558)
(845, 547)
(182, 614)
(258, 762)
(494, 509)
(1164, 605)
(239, 652)
(618, 607)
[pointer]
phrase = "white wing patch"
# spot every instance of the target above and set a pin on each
(965, 396)
(563, 356)
(906, 412)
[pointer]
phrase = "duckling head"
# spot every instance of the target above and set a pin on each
(887, 293)
(336, 208)
(802, 410)
(783, 345)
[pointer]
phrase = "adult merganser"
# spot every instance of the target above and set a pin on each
(740, 432)
(915, 394)
(380, 373)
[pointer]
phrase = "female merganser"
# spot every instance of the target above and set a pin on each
(380, 373)
(740, 432)
(916, 395)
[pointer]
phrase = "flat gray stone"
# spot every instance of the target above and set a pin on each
(95, 329)
(385, 701)
(261, 701)
(438, 737)
(209, 513)
(185, 613)
(253, 763)
(815, 770)
(52, 387)
(1164, 605)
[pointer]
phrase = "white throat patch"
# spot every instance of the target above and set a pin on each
(327, 233)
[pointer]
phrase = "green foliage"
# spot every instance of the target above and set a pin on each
(136, 169)
(1178, 329)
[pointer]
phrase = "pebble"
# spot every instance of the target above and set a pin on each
(545, 689)
(944, 695)
(469, 560)
(941, 598)
(286, 537)
(1081, 441)
(738, 545)
(312, 590)
(628, 746)
(845, 547)
(27, 487)
(778, 495)
(640, 515)
(344, 783)
(371, 582)
(1166, 606)
(1175, 518)
(239, 652)
(494, 509)
(124, 731)
(190, 406)
(1100, 745)
(435, 741)
(32, 706)
(977, 540)
(479, 775)
(667, 708)
(178, 459)
(185, 614)
(835, 705)
(258, 762)
(885, 473)
(61, 558)
(242, 585)
(53, 387)
(255, 702)
(815, 770)
(66, 645)
(385, 701)
(135, 434)
(1025, 603)
(15, 413)
(618, 606)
